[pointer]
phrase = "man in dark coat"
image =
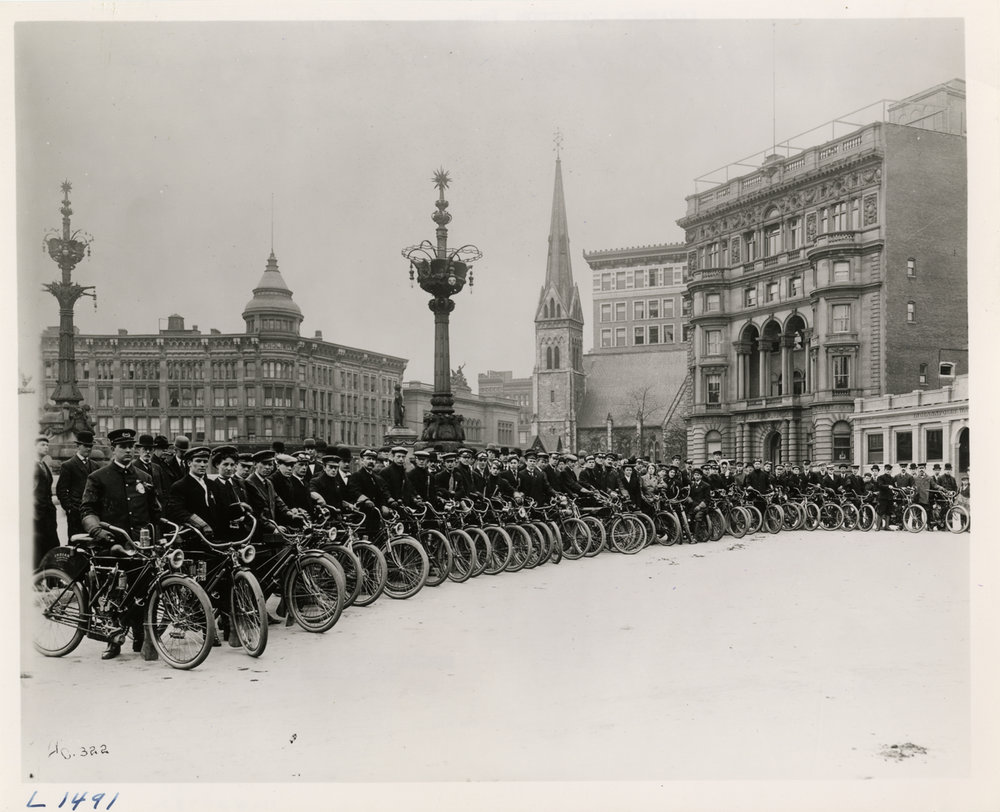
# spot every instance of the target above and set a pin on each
(230, 495)
(532, 482)
(121, 495)
(46, 535)
(329, 483)
(72, 480)
(190, 500)
(393, 476)
(884, 483)
(146, 461)
(419, 479)
(368, 491)
(946, 480)
(266, 504)
(449, 483)
(590, 476)
(173, 464)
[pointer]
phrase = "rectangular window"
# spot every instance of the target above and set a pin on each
(638, 310)
(838, 217)
(654, 334)
(713, 388)
(654, 308)
(218, 431)
(640, 279)
(772, 240)
(841, 318)
(771, 291)
(199, 429)
(824, 220)
(268, 396)
(841, 372)
(904, 446)
(654, 278)
(678, 276)
(620, 280)
(713, 342)
(251, 396)
(552, 396)
(605, 281)
(128, 398)
(105, 397)
(686, 305)
(841, 271)
(712, 256)
(302, 400)
(711, 303)
(250, 369)
(606, 337)
(667, 335)
(911, 312)
(140, 397)
(302, 373)
(232, 399)
(620, 314)
(750, 297)
(638, 336)
(794, 233)
(934, 441)
(794, 287)
(619, 336)
(750, 241)
(911, 268)
(606, 311)
(855, 213)
(218, 396)
(668, 308)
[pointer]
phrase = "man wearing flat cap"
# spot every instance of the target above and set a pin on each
(72, 480)
(267, 506)
(122, 496)
(329, 484)
(393, 476)
(190, 500)
(419, 477)
(281, 478)
(368, 491)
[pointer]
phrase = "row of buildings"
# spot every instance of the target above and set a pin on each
(816, 308)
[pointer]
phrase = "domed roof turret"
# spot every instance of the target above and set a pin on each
(272, 307)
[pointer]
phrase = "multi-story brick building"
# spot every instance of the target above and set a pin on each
(835, 273)
(267, 383)
(638, 297)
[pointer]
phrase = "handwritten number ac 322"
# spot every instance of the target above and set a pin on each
(70, 752)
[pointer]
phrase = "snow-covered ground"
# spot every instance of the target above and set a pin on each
(820, 656)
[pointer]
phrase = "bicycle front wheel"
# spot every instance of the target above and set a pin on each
(957, 519)
(408, 567)
(501, 549)
(521, 547)
(914, 518)
(248, 612)
(180, 622)
(315, 591)
(374, 571)
(351, 566)
(439, 555)
(575, 538)
(463, 556)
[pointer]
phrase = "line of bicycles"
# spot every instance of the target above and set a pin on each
(189, 593)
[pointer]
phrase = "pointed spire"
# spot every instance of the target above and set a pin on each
(558, 268)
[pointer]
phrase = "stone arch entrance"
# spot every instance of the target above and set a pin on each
(772, 447)
(963, 450)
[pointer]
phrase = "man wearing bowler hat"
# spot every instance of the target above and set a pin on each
(121, 495)
(72, 479)
(145, 447)
(173, 464)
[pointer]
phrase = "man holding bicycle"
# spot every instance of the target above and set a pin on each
(120, 495)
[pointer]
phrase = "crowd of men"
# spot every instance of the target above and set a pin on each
(149, 477)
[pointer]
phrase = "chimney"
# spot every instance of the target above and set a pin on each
(319, 335)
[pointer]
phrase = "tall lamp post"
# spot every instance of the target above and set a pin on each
(66, 250)
(442, 272)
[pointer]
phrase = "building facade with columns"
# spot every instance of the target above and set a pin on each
(252, 388)
(486, 418)
(829, 275)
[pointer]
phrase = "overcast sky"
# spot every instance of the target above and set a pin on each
(176, 135)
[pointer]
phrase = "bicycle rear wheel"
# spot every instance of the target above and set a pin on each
(852, 516)
(501, 549)
(831, 517)
(463, 558)
(598, 536)
(716, 524)
(248, 612)
(914, 518)
(668, 528)
(484, 549)
(408, 566)
(627, 534)
(774, 519)
(375, 572)
(521, 547)
(439, 555)
(575, 538)
(351, 566)
(737, 522)
(58, 624)
(867, 518)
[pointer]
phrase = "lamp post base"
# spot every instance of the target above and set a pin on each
(443, 429)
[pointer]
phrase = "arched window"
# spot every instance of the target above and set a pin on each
(558, 309)
(545, 310)
(713, 443)
(548, 357)
(555, 358)
(841, 441)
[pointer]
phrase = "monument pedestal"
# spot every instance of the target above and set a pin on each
(400, 435)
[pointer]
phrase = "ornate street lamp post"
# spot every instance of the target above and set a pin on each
(442, 272)
(66, 251)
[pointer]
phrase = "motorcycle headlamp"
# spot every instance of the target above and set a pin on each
(175, 558)
(248, 554)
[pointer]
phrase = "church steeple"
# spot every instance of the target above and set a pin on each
(560, 292)
(558, 378)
